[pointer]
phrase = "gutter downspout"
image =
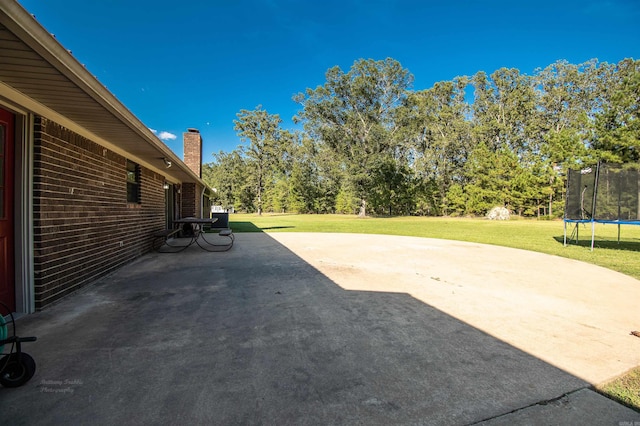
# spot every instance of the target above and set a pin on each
(204, 188)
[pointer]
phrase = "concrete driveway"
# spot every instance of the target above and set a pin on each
(290, 328)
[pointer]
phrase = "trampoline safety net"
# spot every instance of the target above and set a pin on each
(580, 190)
(605, 192)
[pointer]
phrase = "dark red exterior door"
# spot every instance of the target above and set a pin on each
(7, 285)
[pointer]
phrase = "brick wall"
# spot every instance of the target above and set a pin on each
(190, 200)
(192, 142)
(83, 225)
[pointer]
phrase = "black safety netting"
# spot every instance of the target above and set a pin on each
(603, 193)
(617, 194)
(580, 190)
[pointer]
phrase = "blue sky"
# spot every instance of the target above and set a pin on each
(197, 63)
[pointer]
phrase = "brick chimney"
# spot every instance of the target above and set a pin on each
(193, 150)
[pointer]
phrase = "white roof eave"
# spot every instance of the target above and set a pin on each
(14, 17)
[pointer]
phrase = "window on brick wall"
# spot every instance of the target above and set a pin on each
(133, 182)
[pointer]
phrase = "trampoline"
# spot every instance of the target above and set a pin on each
(604, 193)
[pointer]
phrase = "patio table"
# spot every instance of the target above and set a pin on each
(197, 233)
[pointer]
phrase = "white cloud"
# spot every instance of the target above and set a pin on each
(166, 136)
(154, 131)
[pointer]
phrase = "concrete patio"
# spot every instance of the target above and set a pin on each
(290, 329)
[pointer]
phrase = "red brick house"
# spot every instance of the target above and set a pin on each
(84, 184)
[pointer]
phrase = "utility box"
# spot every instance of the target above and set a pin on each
(223, 220)
(217, 212)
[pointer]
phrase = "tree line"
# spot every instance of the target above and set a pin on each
(370, 144)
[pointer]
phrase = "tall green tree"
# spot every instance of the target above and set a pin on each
(370, 144)
(505, 129)
(439, 135)
(353, 113)
(503, 110)
(392, 187)
(568, 97)
(617, 125)
(265, 151)
(304, 178)
(228, 175)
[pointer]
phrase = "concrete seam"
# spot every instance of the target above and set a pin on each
(543, 402)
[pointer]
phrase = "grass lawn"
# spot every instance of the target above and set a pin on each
(625, 389)
(541, 236)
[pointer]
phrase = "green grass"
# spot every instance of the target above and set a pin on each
(543, 236)
(535, 235)
(625, 389)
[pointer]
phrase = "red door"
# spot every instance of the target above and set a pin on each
(7, 287)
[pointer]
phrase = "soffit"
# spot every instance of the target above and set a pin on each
(36, 66)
